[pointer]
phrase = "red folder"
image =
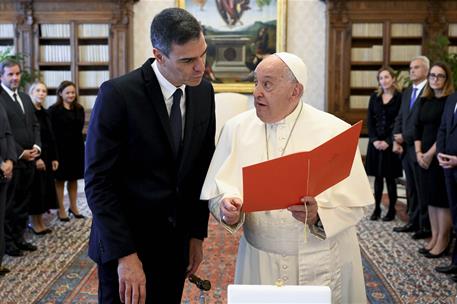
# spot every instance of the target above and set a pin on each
(282, 182)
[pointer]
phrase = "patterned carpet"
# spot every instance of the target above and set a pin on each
(62, 273)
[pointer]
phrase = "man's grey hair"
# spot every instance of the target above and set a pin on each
(173, 25)
(424, 60)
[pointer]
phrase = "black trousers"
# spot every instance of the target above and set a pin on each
(18, 198)
(450, 176)
(3, 189)
(417, 210)
(165, 268)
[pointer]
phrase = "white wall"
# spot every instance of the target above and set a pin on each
(306, 37)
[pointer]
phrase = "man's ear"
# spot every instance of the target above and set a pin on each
(297, 92)
(158, 55)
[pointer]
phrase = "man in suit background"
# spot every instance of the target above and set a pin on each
(446, 148)
(403, 144)
(26, 133)
(149, 144)
(7, 158)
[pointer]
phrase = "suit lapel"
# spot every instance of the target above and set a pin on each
(155, 94)
(10, 103)
(452, 123)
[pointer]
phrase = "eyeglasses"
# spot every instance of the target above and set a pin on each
(432, 76)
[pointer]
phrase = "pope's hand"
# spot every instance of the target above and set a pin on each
(306, 214)
(230, 210)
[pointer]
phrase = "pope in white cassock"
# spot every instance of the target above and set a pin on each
(274, 245)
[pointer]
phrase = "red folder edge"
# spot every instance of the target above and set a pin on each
(277, 184)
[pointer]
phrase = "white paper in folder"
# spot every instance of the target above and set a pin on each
(269, 294)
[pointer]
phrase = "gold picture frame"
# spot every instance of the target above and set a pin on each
(239, 33)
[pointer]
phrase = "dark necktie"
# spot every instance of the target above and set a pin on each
(413, 98)
(176, 120)
(17, 103)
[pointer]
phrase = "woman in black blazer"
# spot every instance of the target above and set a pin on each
(67, 117)
(381, 162)
(43, 190)
(431, 176)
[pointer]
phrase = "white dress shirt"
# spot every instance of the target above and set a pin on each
(168, 90)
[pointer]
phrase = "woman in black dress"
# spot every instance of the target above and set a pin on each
(43, 189)
(381, 162)
(431, 177)
(67, 117)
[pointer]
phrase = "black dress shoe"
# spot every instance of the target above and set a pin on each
(3, 270)
(26, 246)
(406, 228)
(454, 278)
(76, 215)
(421, 234)
(448, 269)
(13, 251)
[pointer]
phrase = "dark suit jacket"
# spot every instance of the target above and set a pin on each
(24, 126)
(134, 186)
(446, 141)
(406, 119)
(7, 145)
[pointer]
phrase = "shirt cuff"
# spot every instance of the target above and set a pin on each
(38, 148)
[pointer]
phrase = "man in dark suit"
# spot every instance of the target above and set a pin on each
(7, 158)
(149, 145)
(404, 144)
(26, 133)
(446, 148)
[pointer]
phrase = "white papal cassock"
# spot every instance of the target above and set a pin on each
(273, 245)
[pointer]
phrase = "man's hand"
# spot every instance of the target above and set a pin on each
(29, 154)
(40, 165)
(36, 152)
(306, 214)
(447, 161)
(230, 210)
(397, 148)
(132, 280)
(55, 165)
(195, 255)
(7, 168)
(398, 138)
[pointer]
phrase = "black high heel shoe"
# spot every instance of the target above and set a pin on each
(430, 255)
(376, 215)
(78, 216)
(390, 216)
(43, 232)
(423, 250)
(63, 219)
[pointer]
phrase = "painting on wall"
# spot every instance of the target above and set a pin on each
(239, 34)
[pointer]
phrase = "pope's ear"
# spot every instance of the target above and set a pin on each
(298, 90)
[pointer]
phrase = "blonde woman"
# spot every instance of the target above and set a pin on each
(381, 162)
(43, 191)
